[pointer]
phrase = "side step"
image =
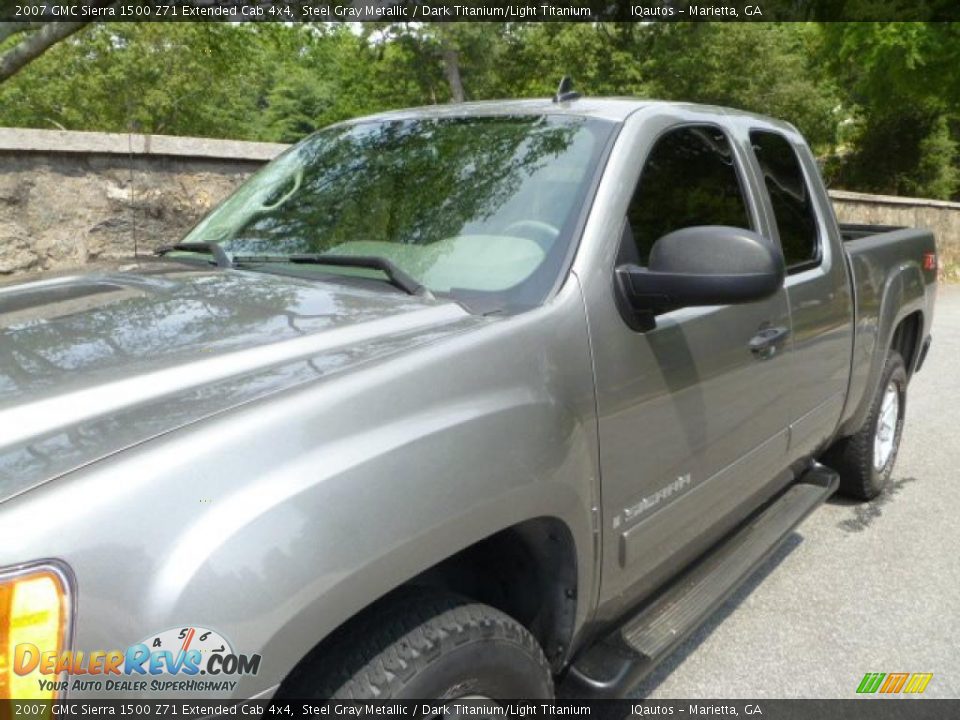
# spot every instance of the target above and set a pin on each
(618, 662)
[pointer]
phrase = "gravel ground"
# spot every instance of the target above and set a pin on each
(857, 588)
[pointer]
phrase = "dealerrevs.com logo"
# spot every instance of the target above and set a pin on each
(190, 659)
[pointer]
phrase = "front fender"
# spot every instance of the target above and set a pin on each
(276, 522)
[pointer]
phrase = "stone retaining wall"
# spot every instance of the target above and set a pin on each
(940, 216)
(68, 198)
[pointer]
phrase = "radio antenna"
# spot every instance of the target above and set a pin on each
(565, 91)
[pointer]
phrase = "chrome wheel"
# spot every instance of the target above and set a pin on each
(886, 435)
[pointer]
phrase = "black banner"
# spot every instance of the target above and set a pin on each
(190, 709)
(475, 10)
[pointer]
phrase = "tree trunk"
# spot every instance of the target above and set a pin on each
(451, 68)
(8, 29)
(35, 45)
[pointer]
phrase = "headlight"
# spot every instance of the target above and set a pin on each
(35, 613)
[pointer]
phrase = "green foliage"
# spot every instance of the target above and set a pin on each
(880, 102)
(760, 67)
(159, 77)
(909, 152)
(902, 81)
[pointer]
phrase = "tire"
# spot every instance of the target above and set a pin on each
(863, 460)
(427, 646)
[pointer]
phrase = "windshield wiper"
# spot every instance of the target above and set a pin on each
(396, 277)
(220, 257)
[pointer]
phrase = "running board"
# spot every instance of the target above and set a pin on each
(618, 662)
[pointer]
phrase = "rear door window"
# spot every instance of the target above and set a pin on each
(790, 198)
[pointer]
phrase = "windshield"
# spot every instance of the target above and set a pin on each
(481, 208)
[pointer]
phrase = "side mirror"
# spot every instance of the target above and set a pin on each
(705, 265)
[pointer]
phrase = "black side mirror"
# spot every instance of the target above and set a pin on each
(705, 265)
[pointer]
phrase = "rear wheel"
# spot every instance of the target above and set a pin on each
(428, 646)
(865, 460)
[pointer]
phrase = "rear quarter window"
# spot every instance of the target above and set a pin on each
(790, 198)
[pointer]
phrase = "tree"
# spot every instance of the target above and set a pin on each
(880, 102)
(761, 67)
(904, 103)
(449, 53)
(38, 38)
(33, 38)
(185, 78)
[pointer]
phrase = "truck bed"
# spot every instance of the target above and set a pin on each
(855, 231)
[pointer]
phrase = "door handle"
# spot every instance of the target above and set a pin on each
(765, 343)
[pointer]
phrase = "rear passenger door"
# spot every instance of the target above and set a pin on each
(692, 422)
(817, 286)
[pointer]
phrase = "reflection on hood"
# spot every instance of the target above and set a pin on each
(93, 363)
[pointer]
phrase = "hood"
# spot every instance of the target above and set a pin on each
(95, 362)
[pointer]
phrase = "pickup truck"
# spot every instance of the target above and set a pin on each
(490, 400)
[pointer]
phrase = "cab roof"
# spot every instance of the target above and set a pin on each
(614, 109)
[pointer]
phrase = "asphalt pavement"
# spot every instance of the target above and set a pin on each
(858, 588)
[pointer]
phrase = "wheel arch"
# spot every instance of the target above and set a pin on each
(527, 570)
(899, 326)
(906, 339)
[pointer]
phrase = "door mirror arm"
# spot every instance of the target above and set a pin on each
(638, 316)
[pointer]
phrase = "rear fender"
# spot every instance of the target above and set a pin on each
(881, 307)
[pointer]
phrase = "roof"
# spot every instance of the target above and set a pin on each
(615, 109)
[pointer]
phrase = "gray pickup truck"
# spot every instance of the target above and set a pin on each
(488, 400)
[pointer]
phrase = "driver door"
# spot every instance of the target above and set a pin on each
(692, 423)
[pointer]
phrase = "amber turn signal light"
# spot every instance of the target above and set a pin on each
(35, 610)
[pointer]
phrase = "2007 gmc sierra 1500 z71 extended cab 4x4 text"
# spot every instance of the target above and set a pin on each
(492, 399)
